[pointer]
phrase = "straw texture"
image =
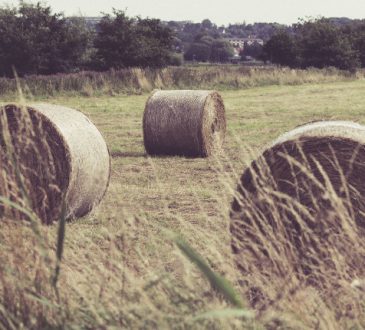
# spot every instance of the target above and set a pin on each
(49, 154)
(184, 122)
(299, 212)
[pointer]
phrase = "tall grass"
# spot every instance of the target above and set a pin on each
(302, 247)
(217, 282)
(45, 284)
(115, 279)
(119, 269)
(136, 80)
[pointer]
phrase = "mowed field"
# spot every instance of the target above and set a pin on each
(120, 266)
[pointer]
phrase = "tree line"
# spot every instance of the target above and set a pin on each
(34, 40)
(319, 43)
(207, 42)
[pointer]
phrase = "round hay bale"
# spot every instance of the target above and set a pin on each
(299, 213)
(50, 154)
(184, 122)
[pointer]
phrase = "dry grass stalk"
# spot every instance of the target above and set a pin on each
(298, 218)
(50, 153)
(185, 122)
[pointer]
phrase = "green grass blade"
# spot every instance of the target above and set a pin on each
(219, 283)
(60, 243)
(42, 300)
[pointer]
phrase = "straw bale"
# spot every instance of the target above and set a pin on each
(298, 217)
(50, 154)
(184, 122)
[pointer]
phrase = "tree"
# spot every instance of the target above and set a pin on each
(206, 48)
(154, 42)
(281, 49)
(35, 41)
(205, 39)
(115, 44)
(254, 50)
(322, 44)
(198, 52)
(359, 45)
(221, 51)
(123, 42)
(316, 43)
(354, 32)
(207, 24)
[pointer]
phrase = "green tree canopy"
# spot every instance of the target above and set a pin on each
(281, 49)
(123, 41)
(35, 41)
(221, 51)
(322, 43)
(198, 51)
(354, 32)
(254, 50)
(318, 43)
(206, 48)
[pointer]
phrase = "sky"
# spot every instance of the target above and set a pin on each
(221, 12)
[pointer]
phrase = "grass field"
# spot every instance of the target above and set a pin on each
(120, 265)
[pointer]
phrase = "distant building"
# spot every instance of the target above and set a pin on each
(239, 43)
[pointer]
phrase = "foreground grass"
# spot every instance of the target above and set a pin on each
(120, 267)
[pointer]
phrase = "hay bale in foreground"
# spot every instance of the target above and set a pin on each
(298, 218)
(184, 122)
(48, 154)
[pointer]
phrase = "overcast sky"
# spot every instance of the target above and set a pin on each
(219, 12)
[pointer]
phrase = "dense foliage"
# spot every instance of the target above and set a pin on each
(319, 43)
(253, 50)
(207, 49)
(33, 40)
(123, 41)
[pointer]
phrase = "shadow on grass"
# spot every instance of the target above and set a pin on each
(116, 154)
(135, 154)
